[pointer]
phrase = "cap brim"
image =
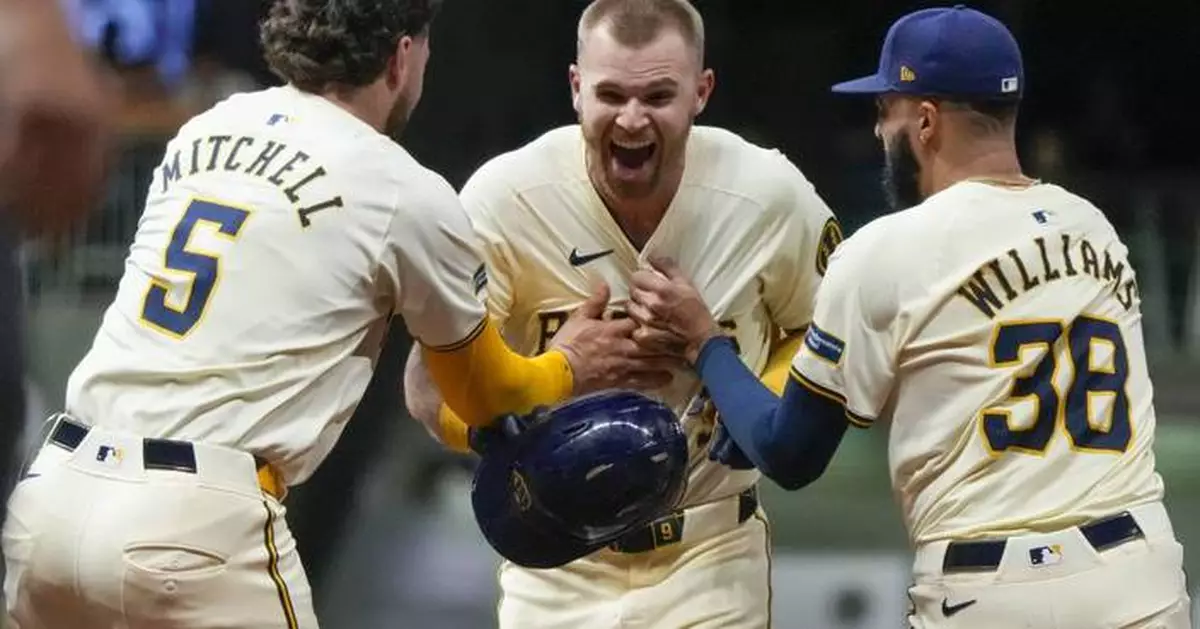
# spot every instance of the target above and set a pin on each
(527, 538)
(873, 84)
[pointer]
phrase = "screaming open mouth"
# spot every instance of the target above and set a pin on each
(632, 156)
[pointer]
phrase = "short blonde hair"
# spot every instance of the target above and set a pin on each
(636, 23)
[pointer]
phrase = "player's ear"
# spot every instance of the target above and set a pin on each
(928, 119)
(704, 89)
(573, 78)
(398, 64)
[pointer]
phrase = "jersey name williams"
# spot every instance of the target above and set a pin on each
(1042, 263)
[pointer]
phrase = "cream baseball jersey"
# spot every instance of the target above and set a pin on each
(279, 236)
(998, 331)
(746, 226)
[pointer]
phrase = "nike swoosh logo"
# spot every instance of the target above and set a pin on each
(579, 260)
(950, 610)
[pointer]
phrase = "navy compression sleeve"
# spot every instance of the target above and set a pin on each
(790, 439)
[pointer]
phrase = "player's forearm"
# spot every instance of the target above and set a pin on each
(790, 439)
(485, 379)
(424, 404)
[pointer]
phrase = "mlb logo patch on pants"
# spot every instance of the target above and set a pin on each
(1045, 555)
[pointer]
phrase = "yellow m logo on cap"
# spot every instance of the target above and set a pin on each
(907, 75)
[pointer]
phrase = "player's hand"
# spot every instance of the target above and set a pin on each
(55, 110)
(670, 310)
(659, 340)
(603, 354)
(725, 451)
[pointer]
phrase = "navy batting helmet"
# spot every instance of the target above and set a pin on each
(581, 476)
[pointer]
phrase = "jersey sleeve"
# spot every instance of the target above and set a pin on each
(806, 233)
(851, 348)
(485, 202)
(433, 254)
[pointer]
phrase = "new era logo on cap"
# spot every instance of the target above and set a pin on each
(1010, 84)
(907, 75)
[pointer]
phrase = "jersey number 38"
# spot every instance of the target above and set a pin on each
(1096, 352)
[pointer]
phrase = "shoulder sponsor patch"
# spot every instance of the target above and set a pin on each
(831, 237)
(824, 344)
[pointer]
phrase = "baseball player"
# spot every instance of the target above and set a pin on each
(282, 231)
(996, 325)
(586, 204)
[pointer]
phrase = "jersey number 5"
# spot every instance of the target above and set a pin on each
(204, 268)
(1097, 376)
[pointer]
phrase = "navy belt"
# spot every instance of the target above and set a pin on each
(668, 529)
(981, 555)
(157, 454)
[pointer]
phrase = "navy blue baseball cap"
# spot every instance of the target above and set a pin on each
(947, 52)
(586, 473)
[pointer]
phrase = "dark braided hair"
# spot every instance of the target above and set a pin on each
(313, 44)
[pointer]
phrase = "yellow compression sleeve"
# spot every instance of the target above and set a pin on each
(454, 429)
(481, 378)
(779, 362)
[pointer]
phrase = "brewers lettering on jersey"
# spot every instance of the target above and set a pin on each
(282, 232)
(994, 321)
(591, 203)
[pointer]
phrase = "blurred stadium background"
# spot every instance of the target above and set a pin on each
(385, 527)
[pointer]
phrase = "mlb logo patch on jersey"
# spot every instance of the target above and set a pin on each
(278, 118)
(824, 344)
(1041, 556)
(109, 454)
(1042, 216)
